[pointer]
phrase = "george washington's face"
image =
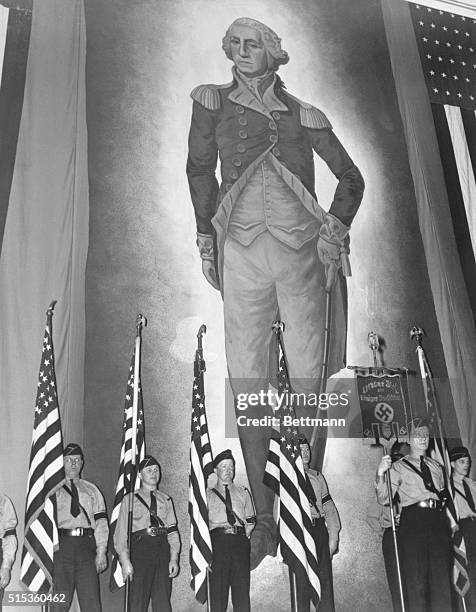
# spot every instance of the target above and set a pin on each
(248, 51)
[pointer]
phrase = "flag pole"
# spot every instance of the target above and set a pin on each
(394, 534)
(278, 328)
(374, 344)
(209, 593)
(202, 367)
(432, 407)
(317, 454)
(49, 320)
(293, 589)
(141, 321)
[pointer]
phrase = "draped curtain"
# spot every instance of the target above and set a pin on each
(45, 241)
(452, 304)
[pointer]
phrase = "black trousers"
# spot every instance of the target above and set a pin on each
(324, 572)
(468, 530)
(230, 569)
(388, 550)
(426, 556)
(150, 556)
(74, 568)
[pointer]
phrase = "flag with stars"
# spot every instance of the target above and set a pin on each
(447, 43)
(438, 450)
(128, 479)
(201, 466)
(45, 477)
(447, 48)
(285, 474)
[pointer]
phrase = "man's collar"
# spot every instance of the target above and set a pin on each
(244, 96)
(258, 84)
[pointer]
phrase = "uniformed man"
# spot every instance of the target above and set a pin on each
(379, 519)
(231, 520)
(465, 501)
(257, 232)
(325, 531)
(8, 541)
(424, 532)
(83, 534)
(153, 559)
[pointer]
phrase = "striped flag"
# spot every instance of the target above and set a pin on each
(285, 474)
(447, 48)
(45, 477)
(460, 560)
(15, 26)
(126, 474)
(200, 469)
(438, 450)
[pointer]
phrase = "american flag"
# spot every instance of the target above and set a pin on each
(45, 477)
(439, 452)
(200, 468)
(285, 474)
(447, 47)
(126, 472)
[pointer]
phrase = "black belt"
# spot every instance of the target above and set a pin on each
(151, 531)
(233, 530)
(468, 518)
(76, 532)
(429, 504)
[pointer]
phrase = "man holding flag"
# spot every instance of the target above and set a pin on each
(232, 519)
(325, 531)
(83, 534)
(424, 532)
(465, 502)
(153, 557)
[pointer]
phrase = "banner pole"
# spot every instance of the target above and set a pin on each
(395, 540)
(209, 595)
(293, 590)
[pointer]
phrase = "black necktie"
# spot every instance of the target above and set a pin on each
(154, 522)
(426, 474)
(75, 509)
(469, 497)
(230, 517)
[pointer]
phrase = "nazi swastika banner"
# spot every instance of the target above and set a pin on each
(383, 398)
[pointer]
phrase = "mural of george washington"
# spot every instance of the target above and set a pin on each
(264, 241)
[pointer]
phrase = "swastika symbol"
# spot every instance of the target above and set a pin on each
(383, 412)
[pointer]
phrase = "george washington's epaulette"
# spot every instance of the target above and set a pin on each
(311, 117)
(209, 95)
